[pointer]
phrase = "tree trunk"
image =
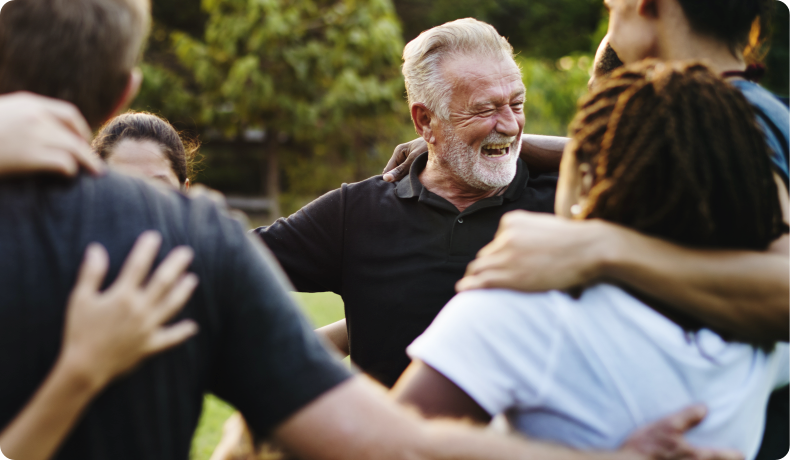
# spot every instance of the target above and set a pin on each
(271, 182)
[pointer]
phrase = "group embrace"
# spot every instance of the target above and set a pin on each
(647, 318)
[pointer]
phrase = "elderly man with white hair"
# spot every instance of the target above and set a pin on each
(394, 251)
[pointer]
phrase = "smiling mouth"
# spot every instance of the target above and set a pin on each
(496, 150)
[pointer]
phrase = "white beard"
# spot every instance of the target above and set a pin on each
(468, 163)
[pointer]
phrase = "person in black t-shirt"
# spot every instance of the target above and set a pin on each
(106, 332)
(394, 251)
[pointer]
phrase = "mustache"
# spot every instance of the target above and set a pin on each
(495, 138)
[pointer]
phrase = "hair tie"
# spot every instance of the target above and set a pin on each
(754, 72)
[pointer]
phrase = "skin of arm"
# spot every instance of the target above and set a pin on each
(356, 420)
(336, 334)
(106, 335)
(434, 395)
(39, 134)
(745, 293)
(541, 153)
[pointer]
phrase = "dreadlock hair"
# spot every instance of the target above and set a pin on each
(667, 144)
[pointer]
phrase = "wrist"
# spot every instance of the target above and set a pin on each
(605, 250)
(79, 373)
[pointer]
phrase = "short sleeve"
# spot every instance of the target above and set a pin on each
(267, 361)
(309, 243)
(498, 346)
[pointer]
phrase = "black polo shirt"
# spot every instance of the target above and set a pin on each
(393, 252)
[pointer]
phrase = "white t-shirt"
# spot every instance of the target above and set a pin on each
(588, 372)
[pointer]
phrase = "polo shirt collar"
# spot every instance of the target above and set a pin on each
(410, 186)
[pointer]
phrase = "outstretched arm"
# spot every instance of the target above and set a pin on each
(745, 293)
(106, 334)
(540, 153)
(356, 420)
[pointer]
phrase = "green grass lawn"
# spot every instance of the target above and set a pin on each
(322, 309)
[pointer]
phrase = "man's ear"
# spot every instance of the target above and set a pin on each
(422, 117)
(647, 8)
(129, 92)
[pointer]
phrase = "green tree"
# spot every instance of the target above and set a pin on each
(536, 28)
(320, 77)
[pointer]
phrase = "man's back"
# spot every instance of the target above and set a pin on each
(249, 328)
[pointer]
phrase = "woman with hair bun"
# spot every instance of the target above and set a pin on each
(144, 144)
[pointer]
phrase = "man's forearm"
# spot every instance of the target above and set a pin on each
(356, 420)
(452, 441)
(745, 293)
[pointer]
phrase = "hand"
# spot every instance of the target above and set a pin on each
(663, 440)
(236, 442)
(405, 154)
(39, 134)
(108, 333)
(535, 252)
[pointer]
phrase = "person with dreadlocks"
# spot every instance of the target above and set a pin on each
(656, 148)
(741, 291)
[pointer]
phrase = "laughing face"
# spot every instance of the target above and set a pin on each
(481, 142)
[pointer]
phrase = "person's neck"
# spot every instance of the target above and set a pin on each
(440, 181)
(680, 43)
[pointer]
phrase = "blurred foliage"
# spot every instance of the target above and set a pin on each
(538, 28)
(320, 78)
(777, 77)
(553, 89)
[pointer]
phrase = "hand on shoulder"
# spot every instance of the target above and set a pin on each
(535, 252)
(40, 134)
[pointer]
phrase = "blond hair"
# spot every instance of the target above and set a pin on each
(423, 58)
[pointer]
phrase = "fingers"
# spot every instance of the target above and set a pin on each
(489, 279)
(93, 269)
(88, 159)
(488, 258)
(65, 152)
(172, 335)
(686, 419)
(400, 154)
(138, 262)
(68, 115)
(175, 298)
(169, 272)
(393, 176)
(402, 170)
